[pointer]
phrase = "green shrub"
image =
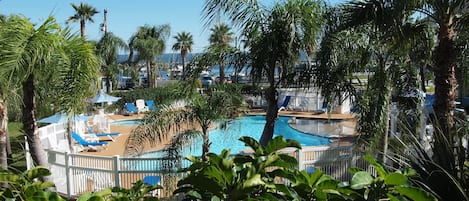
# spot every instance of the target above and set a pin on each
(161, 95)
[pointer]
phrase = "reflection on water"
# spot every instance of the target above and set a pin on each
(324, 127)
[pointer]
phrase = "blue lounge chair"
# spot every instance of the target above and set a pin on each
(150, 104)
(285, 103)
(130, 107)
(83, 142)
(311, 170)
(151, 181)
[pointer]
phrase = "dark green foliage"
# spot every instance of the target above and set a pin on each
(446, 183)
(138, 192)
(261, 175)
(28, 186)
(385, 185)
(241, 177)
(161, 95)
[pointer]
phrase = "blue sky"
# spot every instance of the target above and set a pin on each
(124, 16)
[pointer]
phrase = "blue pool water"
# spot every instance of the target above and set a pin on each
(132, 122)
(246, 126)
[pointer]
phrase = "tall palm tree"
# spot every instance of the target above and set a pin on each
(149, 42)
(183, 43)
(107, 48)
(276, 36)
(220, 40)
(348, 47)
(446, 17)
(201, 111)
(83, 13)
(39, 54)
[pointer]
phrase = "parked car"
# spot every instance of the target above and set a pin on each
(126, 83)
(227, 79)
(207, 81)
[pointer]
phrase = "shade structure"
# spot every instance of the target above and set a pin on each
(103, 98)
(62, 117)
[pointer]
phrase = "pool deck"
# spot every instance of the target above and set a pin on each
(309, 115)
(347, 125)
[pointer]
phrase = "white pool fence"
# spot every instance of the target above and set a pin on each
(75, 174)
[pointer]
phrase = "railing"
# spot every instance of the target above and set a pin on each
(75, 174)
(334, 161)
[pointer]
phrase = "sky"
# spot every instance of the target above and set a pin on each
(123, 17)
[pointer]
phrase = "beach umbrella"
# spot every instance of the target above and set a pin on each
(103, 98)
(62, 117)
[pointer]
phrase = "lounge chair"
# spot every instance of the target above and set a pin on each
(130, 107)
(151, 105)
(152, 180)
(311, 170)
(112, 135)
(85, 143)
(285, 103)
(140, 104)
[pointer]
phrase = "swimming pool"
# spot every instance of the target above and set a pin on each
(131, 122)
(246, 126)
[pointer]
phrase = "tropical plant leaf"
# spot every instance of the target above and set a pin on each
(395, 179)
(194, 194)
(37, 172)
(251, 142)
(9, 177)
(354, 170)
(253, 181)
(414, 193)
(378, 167)
(292, 194)
(277, 143)
(360, 180)
(241, 159)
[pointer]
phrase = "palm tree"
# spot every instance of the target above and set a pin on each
(448, 17)
(107, 48)
(276, 36)
(220, 40)
(201, 111)
(149, 42)
(36, 55)
(390, 58)
(183, 43)
(83, 13)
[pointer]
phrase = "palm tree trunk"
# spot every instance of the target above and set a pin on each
(131, 55)
(82, 27)
(108, 83)
(206, 143)
(445, 92)
(3, 135)
(183, 58)
(272, 110)
(149, 74)
(29, 123)
(271, 116)
(222, 71)
(422, 78)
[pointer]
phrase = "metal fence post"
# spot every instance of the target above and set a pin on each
(116, 171)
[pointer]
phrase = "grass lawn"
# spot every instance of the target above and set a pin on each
(18, 163)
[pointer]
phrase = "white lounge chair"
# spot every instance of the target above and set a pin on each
(140, 104)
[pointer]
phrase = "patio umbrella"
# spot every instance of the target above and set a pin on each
(62, 117)
(103, 98)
